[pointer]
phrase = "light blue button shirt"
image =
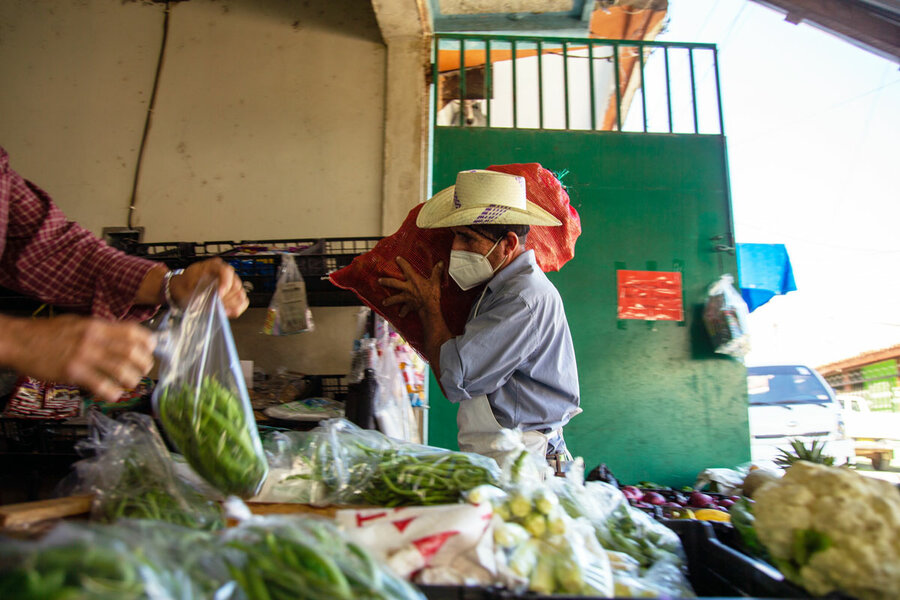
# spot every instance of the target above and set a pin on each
(517, 350)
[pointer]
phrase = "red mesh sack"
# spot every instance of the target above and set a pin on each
(423, 248)
(553, 246)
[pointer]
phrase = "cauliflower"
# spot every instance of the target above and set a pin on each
(830, 528)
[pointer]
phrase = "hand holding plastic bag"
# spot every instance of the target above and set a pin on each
(202, 401)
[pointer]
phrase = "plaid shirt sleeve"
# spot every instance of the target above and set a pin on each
(46, 256)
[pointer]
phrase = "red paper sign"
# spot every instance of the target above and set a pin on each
(650, 295)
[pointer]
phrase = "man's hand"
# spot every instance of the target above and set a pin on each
(417, 293)
(231, 289)
(422, 295)
(102, 356)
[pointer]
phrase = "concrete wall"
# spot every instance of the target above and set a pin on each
(269, 123)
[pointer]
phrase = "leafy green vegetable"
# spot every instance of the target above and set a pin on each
(743, 520)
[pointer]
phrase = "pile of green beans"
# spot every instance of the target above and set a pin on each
(159, 505)
(75, 570)
(152, 492)
(422, 479)
(210, 428)
(313, 562)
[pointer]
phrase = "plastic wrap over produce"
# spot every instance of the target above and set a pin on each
(339, 463)
(201, 398)
(647, 558)
(295, 557)
(131, 559)
(131, 474)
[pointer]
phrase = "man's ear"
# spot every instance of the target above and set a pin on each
(512, 241)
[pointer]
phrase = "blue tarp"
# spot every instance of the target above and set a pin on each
(764, 270)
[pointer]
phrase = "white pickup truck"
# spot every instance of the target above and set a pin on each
(874, 433)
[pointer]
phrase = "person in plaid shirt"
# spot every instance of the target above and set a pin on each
(45, 256)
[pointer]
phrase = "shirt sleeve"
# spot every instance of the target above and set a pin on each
(59, 262)
(493, 345)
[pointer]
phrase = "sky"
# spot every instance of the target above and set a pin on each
(812, 127)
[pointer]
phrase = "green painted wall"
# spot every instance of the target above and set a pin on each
(658, 404)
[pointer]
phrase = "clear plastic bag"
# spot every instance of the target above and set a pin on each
(108, 562)
(619, 526)
(322, 467)
(289, 311)
(131, 475)
(339, 463)
(288, 556)
(201, 398)
(540, 547)
(726, 318)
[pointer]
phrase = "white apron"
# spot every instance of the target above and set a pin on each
(480, 432)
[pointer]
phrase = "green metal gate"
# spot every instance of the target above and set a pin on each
(658, 403)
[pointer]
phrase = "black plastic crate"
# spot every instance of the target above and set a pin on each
(41, 436)
(456, 592)
(257, 262)
(330, 386)
(717, 568)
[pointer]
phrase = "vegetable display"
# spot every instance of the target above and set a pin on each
(556, 537)
(74, 571)
(674, 504)
(424, 478)
(832, 529)
(339, 463)
(288, 558)
(548, 549)
(209, 426)
(261, 558)
(96, 561)
(189, 509)
(131, 474)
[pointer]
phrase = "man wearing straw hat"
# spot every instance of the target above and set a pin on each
(514, 365)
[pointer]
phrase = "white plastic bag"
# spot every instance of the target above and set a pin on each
(289, 309)
(725, 316)
(393, 409)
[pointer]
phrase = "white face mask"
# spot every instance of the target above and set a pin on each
(468, 269)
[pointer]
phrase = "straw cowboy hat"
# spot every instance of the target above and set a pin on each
(483, 198)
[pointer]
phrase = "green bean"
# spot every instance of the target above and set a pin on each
(209, 427)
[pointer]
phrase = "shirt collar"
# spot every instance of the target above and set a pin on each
(520, 264)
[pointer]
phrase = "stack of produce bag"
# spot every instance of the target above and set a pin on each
(275, 558)
(339, 463)
(145, 560)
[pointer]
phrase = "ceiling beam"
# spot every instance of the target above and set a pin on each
(870, 26)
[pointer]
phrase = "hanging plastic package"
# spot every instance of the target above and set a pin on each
(289, 309)
(201, 398)
(726, 318)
